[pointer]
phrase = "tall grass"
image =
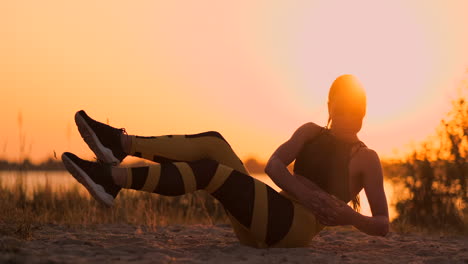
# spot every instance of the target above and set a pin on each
(22, 212)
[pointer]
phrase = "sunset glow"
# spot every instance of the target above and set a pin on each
(255, 71)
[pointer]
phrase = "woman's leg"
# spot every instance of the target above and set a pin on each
(171, 148)
(112, 145)
(260, 216)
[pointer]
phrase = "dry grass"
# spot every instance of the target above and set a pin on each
(24, 209)
(21, 213)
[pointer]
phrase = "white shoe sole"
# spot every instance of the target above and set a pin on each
(96, 190)
(102, 153)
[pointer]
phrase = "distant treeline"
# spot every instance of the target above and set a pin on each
(50, 164)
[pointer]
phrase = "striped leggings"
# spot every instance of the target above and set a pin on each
(260, 216)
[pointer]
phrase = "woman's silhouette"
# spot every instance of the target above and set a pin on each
(331, 167)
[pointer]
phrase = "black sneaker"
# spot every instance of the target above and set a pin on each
(96, 177)
(102, 139)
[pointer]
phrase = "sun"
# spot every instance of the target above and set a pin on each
(385, 48)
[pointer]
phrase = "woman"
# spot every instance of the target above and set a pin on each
(331, 166)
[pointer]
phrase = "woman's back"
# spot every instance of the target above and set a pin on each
(325, 160)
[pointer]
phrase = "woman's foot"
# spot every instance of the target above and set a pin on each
(96, 177)
(102, 139)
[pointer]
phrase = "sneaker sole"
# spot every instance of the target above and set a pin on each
(96, 190)
(88, 135)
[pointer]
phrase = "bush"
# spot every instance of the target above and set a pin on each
(436, 176)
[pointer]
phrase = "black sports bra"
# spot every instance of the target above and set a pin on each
(325, 161)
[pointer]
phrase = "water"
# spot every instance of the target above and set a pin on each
(57, 181)
(60, 181)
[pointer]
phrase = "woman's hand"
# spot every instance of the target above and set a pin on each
(335, 212)
(329, 210)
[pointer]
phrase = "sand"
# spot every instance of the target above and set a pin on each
(218, 244)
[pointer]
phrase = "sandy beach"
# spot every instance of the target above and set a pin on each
(218, 244)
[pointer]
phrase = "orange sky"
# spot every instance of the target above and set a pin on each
(253, 70)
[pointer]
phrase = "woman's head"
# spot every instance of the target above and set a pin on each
(346, 103)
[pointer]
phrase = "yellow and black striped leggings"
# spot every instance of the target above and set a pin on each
(260, 216)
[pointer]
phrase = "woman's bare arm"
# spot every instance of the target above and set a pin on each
(310, 195)
(377, 224)
(287, 152)
(319, 202)
(374, 188)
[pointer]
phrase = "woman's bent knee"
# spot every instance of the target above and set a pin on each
(215, 134)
